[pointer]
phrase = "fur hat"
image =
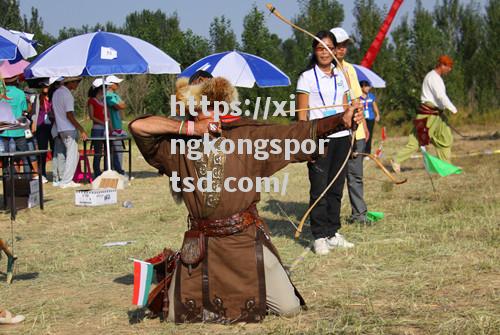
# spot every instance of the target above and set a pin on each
(215, 89)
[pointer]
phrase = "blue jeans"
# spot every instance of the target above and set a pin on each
(98, 147)
(20, 145)
(118, 156)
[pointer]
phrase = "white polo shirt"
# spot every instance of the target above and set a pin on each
(324, 90)
(63, 102)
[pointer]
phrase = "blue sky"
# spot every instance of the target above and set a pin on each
(193, 14)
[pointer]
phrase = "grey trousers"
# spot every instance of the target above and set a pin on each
(355, 183)
(58, 159)
(70, 141)
(280, 293)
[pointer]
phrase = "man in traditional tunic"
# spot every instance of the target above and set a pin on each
(431, 121)
(228, 270)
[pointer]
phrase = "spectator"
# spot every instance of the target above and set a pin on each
(370, 110)
(63, 104)
(15, 140)
(43, 128)
(117, 112)
(59, 151)
(96, 113)
(323, 84)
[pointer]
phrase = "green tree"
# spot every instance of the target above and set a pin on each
(258, 40)
(222, 36)
(193, 48)
(314, 15)
(447, 21)
(469, 51)
(487, 66)
(368, 17)
(402, 88)
(158, 29)
(34, 25)
(164, 32)
(10, 17)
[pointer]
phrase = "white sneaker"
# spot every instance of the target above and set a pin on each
(44, 180)
(55, 183)
(321, 246)
(338, 241)
(70, 184)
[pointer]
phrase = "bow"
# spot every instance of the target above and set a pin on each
(274, 11)
(382, 167)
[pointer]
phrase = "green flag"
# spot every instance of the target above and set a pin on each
(374, 216)
(435, 165)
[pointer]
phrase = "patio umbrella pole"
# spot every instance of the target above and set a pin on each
(109, 178)
(106, 125)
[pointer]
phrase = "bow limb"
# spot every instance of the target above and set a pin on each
(276, 13)
(382, 167)
(304, 218)
(4, 248)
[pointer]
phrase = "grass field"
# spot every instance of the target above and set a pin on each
(430, 267)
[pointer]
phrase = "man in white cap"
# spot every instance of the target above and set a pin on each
(68, 127)
(116, 111)
(355, 165)
(343, 41)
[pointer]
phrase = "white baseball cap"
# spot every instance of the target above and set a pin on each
(98, 82)
(340, 35)
(54, 79)
(113, 80)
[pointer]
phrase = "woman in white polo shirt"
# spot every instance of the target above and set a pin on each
(323, 84)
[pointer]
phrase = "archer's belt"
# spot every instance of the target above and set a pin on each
(427, 110)
(227, 226)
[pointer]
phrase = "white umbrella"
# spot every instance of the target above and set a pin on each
(368, 75)
(15, 46)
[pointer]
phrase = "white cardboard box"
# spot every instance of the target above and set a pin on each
(98, 197)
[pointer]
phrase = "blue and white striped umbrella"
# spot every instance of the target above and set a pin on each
(14, 47)
(368, 75)
(100, 54)
(241, 69)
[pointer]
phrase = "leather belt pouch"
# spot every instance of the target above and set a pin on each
(193, 247)
(422, 131)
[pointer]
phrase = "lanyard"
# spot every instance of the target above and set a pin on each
(319, 88)
(365, 101)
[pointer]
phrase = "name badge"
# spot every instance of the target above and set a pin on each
(330, 112)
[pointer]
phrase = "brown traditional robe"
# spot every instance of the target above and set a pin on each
(228, 285)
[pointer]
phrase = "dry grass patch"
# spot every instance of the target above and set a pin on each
(430, 267)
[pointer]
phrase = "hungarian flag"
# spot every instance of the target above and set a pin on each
(435, 165)
(143, 274)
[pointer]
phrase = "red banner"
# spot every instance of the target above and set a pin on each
(372, 52)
